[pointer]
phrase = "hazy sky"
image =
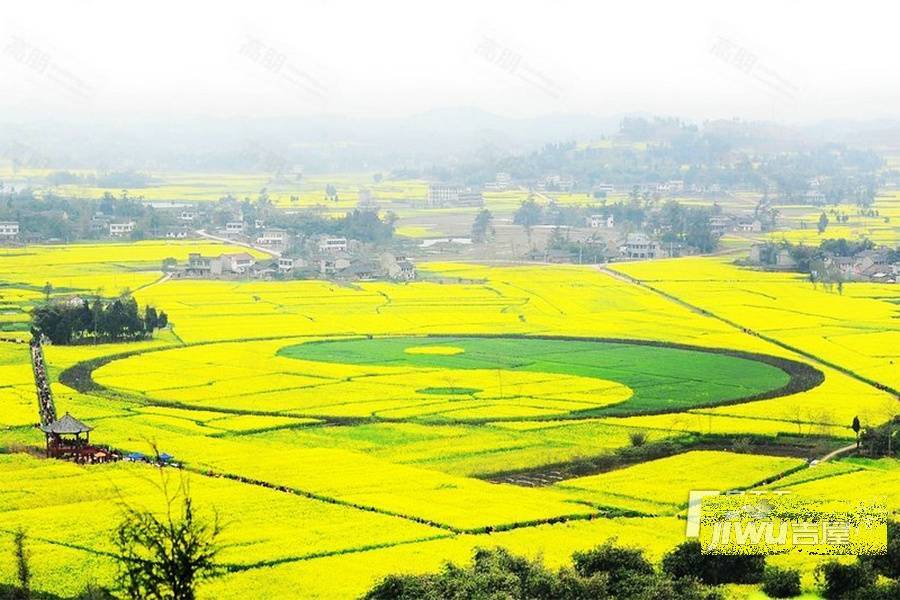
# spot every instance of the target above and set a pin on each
(790, 61)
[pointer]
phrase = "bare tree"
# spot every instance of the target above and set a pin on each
(165, 556)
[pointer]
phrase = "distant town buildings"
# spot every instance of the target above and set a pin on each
(273, 237)
(640, 245)
(555, 182)
(598, 221)
(398, 268)
(444, 196)
(121, 229)
(9, 229)
(234, 227)
(366, 200)
(333, 244)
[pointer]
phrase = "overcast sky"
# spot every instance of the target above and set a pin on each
(790, 61)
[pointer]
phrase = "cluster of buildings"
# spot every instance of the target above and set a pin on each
(9, 231)
(442, 195)
(333, 258)
(722, 224)
(870, 265)
(874, 266)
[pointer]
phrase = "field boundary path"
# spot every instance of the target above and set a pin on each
(46, 405)
(202, 233)
(839, 452)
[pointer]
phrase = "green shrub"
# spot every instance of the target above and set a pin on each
(604, 573)
(781, 583)
(843, 581)
(687, 560)
(887, 564)
(637, 438)
(618, 563)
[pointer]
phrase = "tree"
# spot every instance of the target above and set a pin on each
(165, 557)
(856, 427)
(48, 289)
(23, 570)
(73, 320)
(162, 320)
(151, 319)
(823, 222)
(482, 227)
(528, 215)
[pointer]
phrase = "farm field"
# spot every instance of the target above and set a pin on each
(385, 427)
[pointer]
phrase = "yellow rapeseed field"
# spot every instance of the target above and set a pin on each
(399, 465)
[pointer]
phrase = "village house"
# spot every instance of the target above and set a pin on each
(871, 265)
(719, 224)
(784, 260)
(121, 229)
(9, 229)
(602, 189)
(238, 262)
(178, 233)
(200, 266)
(333, 244)
(336, 261)
(287, 264)
(443, 195)
(366, 200)
(640, 245)
(502, 181)
(187, 216)
(273, 237)
(234, 227)
(598, 221)
(398, 268)
(206, 266)
(814, 197)
(363, 269)
(265, 269)
(749, 225)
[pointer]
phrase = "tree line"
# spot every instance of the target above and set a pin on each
(77, 319)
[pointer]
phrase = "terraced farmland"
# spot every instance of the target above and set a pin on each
(364, 429)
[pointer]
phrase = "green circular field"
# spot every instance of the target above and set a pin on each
(661, 377)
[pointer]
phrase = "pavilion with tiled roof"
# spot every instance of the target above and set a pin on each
(64, 435)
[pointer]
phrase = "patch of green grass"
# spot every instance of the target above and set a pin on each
(664, 379)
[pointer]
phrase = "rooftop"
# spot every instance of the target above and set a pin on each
(66, 425)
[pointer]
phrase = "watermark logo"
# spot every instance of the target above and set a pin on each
(45, 65)
(747, 59)
(283, 67)
(512, 62)
(776, 522)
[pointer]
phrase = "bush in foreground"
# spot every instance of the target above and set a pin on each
(841, 581)
(781, 583)
(604, 573)
(687, 560)
(887, 564)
